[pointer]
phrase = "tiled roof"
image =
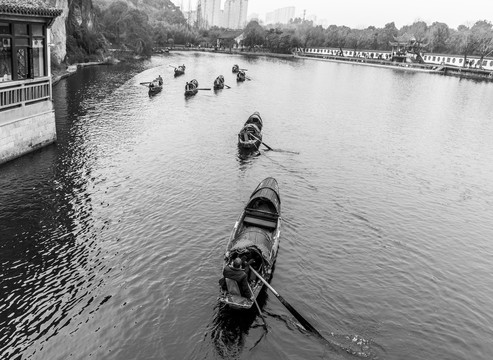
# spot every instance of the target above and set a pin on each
(29, 7)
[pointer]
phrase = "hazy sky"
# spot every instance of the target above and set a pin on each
(363, 13)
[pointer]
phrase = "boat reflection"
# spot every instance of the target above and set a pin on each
(230, 328)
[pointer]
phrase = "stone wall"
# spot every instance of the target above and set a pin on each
(19, 137)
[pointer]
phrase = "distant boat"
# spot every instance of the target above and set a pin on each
(191, 88)
(240, 76)
(180, 70)
(255, 238)
(219, 82)
(250, 136)
(236, 68)
(156, 85)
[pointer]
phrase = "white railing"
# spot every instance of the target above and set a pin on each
(17, 93)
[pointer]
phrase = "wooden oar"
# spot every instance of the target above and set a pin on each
(229, 87)
(267, 146)
(296, 314)
(246, 77)
(203, 89)
(172, 66)
(258, 307)
(145, 83)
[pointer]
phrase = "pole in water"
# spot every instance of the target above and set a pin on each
(296, 314)
(258, 308)
(267, 146)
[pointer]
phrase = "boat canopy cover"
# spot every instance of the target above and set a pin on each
(255, 119)
(267, 190)
(254, 237)
(250, 128)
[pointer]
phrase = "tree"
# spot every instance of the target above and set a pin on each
(482, 33)
(466, 42)
(254, 34)
(438, 35)
(386, 35)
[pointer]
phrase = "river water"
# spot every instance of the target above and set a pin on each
(112, 239)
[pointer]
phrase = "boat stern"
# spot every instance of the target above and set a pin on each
(236, 301)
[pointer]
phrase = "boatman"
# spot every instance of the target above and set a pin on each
(236, 273)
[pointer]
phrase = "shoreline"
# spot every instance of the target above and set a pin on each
(58, 75)
(444, 70)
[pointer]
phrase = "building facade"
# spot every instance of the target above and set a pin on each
(280, 16)
(27, 118)
(208, 13)
(235, 14)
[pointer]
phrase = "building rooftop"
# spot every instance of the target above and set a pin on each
(29, 7)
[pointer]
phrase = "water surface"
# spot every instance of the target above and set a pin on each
(112, 239)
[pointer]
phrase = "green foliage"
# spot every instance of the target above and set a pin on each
(139, 25)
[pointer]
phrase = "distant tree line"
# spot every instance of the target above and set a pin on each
(123, 27)
(435, 38)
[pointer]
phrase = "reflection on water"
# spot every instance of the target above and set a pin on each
(230, 329)
(112, 239)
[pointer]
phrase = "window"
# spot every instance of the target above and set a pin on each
(5, 59)
(448, 59)
(453, 60)
(491, 63)
(460, 61)
(37, 30)
(434, 58)
(20, 29)
(38, 58)
(22, 63)
(22, 51)
(4, 28)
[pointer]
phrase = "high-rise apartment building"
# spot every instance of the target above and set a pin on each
(208, 13)
(280, 16)
(235, 14)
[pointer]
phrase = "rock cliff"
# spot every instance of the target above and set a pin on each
(59, 34)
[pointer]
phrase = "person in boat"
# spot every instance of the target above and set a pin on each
(236, 273)
(160, 79)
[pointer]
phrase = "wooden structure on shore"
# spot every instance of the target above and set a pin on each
(27, 118)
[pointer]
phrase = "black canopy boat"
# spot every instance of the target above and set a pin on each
(255, 236)
(250, 136)
(156, 85)
(180, 70)
(219, 83)
(191, 87)
(236, 68)
(240, 76)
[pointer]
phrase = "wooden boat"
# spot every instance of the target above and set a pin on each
(250, 136)
(236, 68)
(219, 83)
(156, 85)
(254, 236)
(191, 87)
(180, 70)
(241, 76)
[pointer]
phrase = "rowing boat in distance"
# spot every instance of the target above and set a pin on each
(180, 70)
(156, 85)
(219, 83)
(254, 240)
(250, 135)
(191, 88)
(240, 76)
